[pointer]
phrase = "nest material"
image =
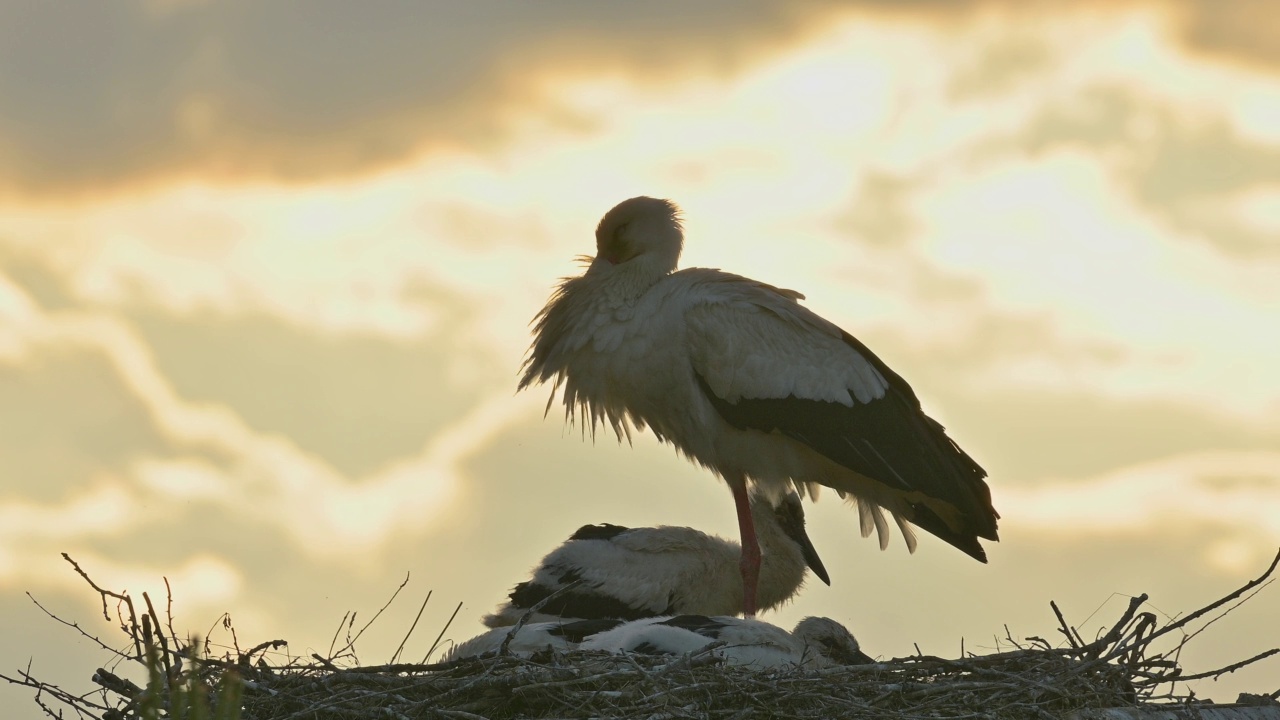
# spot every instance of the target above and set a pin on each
(1021, 684)
(1120, 669)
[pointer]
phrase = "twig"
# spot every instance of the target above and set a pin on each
(506, 642)
(416, 618)
(325, 662)
(128, 602)
(435, 644)
(76, 626)
(1226, 612)
(159, 631)
(1095, 648)
(1215, 674)
(1064, 628)
(338, 631)
(246, 657)
(168, 610)
(352, 641)
(1219, 603)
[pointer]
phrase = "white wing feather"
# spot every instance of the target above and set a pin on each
(750, 340)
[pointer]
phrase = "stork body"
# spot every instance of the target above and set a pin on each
(529, 639)
(742, 379)
(815, 643)
(633, 573)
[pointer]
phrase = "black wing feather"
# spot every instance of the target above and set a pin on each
(579, 630)
(579, 602)
(891, 441)
(701, 624)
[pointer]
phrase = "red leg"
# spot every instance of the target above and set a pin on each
(750, 562)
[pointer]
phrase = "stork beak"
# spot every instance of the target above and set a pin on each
(790, 517)
(812, 559)
(857, 657)
(599, 264)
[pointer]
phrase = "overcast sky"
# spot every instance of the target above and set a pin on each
(266, 272)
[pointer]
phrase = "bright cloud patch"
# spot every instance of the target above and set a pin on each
(263, 476)
(1234, 491)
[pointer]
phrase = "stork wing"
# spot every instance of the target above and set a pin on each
(766, 363)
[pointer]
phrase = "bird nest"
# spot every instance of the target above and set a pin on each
(1121, 668)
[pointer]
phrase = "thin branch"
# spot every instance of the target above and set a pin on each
(436, 644)
(1095, 648)
(1215, 674)
(164, 643)
(376, 615)
(1219, 603)
(125, 599)
(506, 642)
(338, 632)
(1064, 628)
(1228, 611)
(416, 618)
(75, 626)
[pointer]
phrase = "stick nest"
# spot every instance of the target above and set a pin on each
(1121, 668)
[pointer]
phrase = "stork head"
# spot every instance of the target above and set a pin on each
(644, 231)
(789, 514)
(831, 640)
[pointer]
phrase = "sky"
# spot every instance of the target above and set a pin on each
(266, 273)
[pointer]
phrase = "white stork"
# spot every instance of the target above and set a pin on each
(816, 642)
(529, 639)
(648, 572)
(744, 380)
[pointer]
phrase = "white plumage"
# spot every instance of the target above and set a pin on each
(741, 378)
(815, 643)
(530, 639)
(632, 573)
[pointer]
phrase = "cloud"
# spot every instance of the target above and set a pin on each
(206, 445)
(1231, 31)
(207, 581)
(358, 400)
(1234, 491)
(1237, 488)
(103, 509)
(130, 90)
(66, 417)
(1187, 170)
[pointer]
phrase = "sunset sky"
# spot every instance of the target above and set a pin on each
(267, 268)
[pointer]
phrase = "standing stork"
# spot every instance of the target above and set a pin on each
(742, 379)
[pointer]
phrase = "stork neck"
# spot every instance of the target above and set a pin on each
(782, 561)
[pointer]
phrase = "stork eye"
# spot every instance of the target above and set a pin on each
(617, 232)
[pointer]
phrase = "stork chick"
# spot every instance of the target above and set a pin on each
(816, 642)
(633, 573)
